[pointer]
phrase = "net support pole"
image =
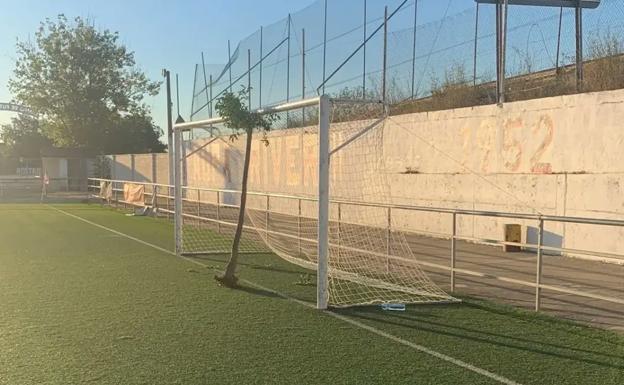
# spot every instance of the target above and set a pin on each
(322, 295)
(324, 44)
(364, 55)
(559, 41)
(230, 65)
(579, 47)
(414, 47)
(177, 191)
(476, 46)
(385, 58)
(303, 72)
(453, 251)
(260, 74)
(208, 95)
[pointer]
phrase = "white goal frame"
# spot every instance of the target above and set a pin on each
(324, 111)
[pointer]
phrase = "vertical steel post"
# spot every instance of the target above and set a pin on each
(177, 193)
(385, 58)
(388, 239)
(208, 96)
(339, 232)
(288, 70)
(218, 214)
(476, 42)
(453, 251)
(230, 65)
(303, 73)
(498, 51)
(170, 142)
(299, 226)
(324, 44)
(261, 60)
(579, 47)
(414, 48)
(194, 89)
(559, 41)
(266, 218)
(538, 275)
(322, 297)
(198, 204)
(288, 67)
(249, 79)
(364, 56)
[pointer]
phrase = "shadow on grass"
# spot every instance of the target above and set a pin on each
(423, 323)
(223, 258)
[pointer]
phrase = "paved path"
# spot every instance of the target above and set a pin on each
(570, 273)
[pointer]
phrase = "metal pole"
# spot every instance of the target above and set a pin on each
(504, 50)
(299, 226)
(249, 79)
(322, 297)
(388, 239)
(230, 65)
(385, 57)
(288, 66)
(266, 218)
(364, 56)
(414, 48)
(476, 42)
(178, 191)
(453, 251)
(558, 41)
(170, 144)
(324, 44)
(218, 215)
(208, 96)
(538, 275)
(261, 60)
(498, 51)
(579, 47)
(194, 89)
(210, 111)
(288, 69)
(303, 72)
(177, 95)
(198, 204)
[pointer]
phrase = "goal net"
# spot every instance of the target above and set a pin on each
(318, 197)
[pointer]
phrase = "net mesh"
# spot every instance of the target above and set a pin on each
(370, 260)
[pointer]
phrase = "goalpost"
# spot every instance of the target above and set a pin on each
(318, 198)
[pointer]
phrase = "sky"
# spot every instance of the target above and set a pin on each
(163, 34)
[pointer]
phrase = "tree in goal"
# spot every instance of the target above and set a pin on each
(319, 198)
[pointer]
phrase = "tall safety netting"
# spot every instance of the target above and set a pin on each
(369, 258)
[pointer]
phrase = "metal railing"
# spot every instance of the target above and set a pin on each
(194, 194)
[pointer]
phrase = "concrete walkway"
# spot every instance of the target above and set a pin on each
(581, 275)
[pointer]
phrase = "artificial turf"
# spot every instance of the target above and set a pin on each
(79, 304)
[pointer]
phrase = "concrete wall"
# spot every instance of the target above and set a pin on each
(140, 167)
(560, 155)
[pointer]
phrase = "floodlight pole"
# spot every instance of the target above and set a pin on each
(303, 72)
(261, 60)
(170, 144)
(579, 47)
(501, 32)
(322, 296)
(194, 90)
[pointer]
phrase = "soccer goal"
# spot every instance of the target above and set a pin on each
(318, 197)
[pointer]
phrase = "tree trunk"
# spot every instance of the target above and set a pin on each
(229, 277)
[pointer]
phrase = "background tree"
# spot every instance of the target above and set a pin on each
(23, 137)
(236, 116)
(85, 88)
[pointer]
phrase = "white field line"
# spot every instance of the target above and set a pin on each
(420, 348)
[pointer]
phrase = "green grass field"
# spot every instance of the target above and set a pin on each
(81, 304)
